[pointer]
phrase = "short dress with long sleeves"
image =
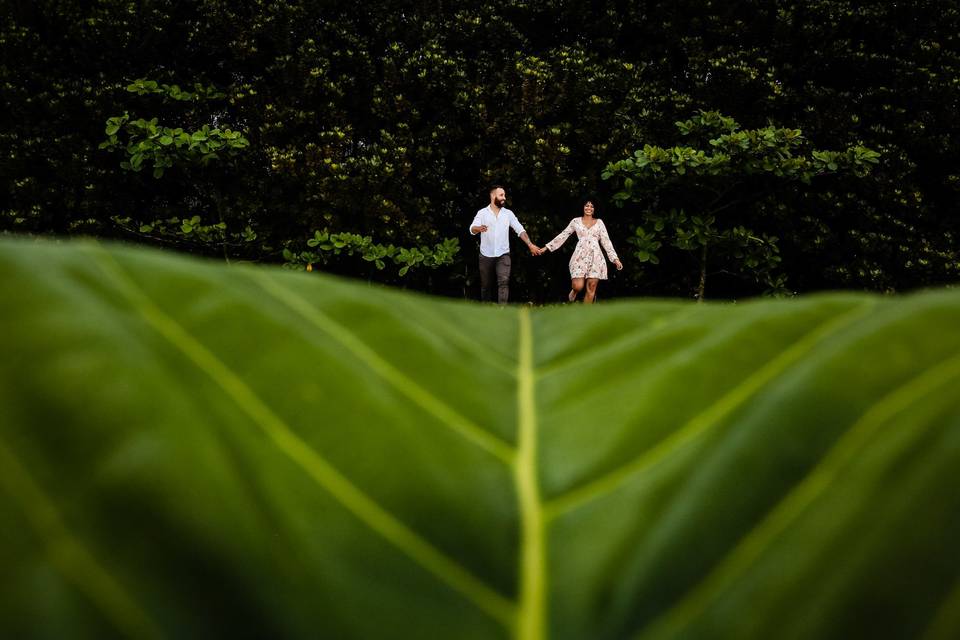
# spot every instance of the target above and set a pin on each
(587, 260)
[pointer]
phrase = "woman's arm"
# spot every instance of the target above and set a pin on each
(555, 244)
(608, 246)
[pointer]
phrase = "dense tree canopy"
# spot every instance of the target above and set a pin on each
(246, 129)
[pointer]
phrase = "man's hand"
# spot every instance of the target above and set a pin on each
(480, 229)
(535, 250)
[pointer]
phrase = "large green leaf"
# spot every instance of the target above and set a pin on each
(191, 450)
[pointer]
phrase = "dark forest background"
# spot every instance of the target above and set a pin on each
(818, 144)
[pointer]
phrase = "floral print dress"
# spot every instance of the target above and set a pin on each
(587, 259)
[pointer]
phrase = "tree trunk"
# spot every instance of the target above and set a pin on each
(703, 274)
(217, 198)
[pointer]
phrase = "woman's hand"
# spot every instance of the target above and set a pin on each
(619, 265)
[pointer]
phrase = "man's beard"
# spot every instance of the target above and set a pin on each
(500, 201)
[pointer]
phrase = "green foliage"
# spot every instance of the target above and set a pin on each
(328, 245)
(390, 120)
(189, 450)
(772, 151)
(163, 147)
(190, 233)
(708, 181)
(646, 244)
(142, 86)
(145, 143)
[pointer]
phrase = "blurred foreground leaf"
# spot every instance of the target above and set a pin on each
(190, 450)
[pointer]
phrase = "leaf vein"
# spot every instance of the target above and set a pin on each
(801, 496)
(447, 416)
(312, 462)
(70, 556)
(946, 621)
(618, 346)
(704, 420)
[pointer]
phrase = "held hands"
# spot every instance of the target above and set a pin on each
(535, 250)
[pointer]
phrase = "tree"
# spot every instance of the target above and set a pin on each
(682, 191)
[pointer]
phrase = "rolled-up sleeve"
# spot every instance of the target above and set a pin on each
(476, 222)
(515, 224)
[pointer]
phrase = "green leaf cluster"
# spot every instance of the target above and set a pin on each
(190, 232)
(328, 245)
(163, 147)
(707, 180)
(143, 86)
(774, 151)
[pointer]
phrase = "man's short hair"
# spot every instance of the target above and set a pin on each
(495, 187)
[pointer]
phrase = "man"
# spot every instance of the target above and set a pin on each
(493, 223)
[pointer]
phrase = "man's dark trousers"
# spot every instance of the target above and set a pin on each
(495, 270)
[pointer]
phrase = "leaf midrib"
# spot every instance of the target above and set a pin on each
(532, 576)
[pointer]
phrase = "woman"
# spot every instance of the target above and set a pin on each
(587, 266)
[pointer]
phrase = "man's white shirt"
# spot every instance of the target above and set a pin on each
(496, 241)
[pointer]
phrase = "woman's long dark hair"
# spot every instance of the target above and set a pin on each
(596, 210)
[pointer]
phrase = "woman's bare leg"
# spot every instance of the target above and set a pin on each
(591, 290)
(576, 286)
